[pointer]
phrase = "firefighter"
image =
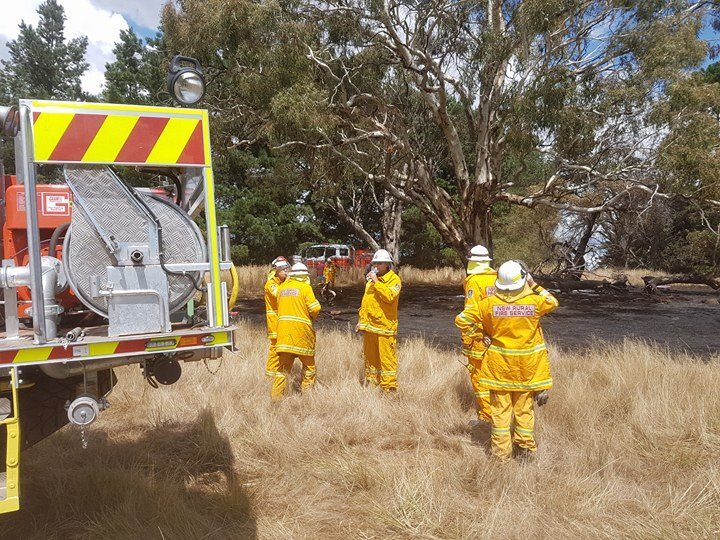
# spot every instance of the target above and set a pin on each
(378, 320)
(515, 368)
(297, 309)
(479, 284)
(329, 279)
(276, 276)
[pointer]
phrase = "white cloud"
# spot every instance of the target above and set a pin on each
(83, 18)
(143, 12)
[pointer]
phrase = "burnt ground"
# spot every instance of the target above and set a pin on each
(683, 319)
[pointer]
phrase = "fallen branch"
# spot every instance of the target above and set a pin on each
(652, 283)
(567, 285)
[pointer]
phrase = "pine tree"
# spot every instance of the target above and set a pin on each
(43, 64)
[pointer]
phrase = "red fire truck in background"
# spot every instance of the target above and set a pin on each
(344, 256)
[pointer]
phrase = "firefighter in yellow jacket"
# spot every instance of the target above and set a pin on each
(479, 284)
(378, 320)
(276, 277)
(329, 279)
(516, 368)
(297, 309)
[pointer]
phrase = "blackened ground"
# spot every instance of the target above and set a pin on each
(683, 319)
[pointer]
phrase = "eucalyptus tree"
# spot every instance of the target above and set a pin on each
(453, 99)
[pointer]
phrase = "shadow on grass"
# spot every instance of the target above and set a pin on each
(175, 480)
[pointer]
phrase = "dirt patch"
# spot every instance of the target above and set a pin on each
(682, 319)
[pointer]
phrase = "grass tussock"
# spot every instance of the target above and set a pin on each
(629, 447)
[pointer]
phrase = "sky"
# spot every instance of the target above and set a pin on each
(100, 20)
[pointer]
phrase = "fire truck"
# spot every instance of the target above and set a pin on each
(343, 255)
(97, 274)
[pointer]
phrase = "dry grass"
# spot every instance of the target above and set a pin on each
(629, 447)
(252, 278)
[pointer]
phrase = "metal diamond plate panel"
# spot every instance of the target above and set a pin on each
(86, 255)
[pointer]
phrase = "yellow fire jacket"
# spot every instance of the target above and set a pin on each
(271, 288)
(379, 307)
(329, 274)
(297, 309)
(517, 358)
(477, 288)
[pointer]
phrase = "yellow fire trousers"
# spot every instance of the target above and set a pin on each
(482, 393)
(380, 360)
(286, 364)
(273, 362)
(505, 405)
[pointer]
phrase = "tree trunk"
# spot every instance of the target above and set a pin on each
(392, 225)
(579, 259)
(652, 283)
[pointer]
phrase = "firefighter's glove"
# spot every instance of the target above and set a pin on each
(541, 398)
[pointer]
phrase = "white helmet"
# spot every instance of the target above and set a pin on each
(479, 254)
(299, 269)
(280, 262)
(382, 256)
(511, 277)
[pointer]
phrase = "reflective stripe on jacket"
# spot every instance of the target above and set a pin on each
(297, 309)
(379, 308)
(517, 358)
(477, 288)
(271, 288)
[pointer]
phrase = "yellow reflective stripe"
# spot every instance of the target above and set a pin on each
(314, 304)
(220, 338)
(34, 354)
(299, 350)
(272, 335)
(388, 372)
(172, 140)
(482, 394)
(474, 354)
(295, 319)
(500, 431)
(466, 318)
(270, 312)
(376, 330)
(517, 352)
(47, 132)
(515, 386)
(110, 138)
(523, 431)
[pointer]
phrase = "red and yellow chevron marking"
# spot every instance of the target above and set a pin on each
(66, 132)
(105, 349)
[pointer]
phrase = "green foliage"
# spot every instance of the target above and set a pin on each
(139, 71)
(43, 64)
(422, 246)
(522, 233)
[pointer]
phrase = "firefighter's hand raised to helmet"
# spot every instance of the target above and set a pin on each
(372, 276)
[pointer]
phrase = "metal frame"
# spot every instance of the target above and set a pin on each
(27, 162)
(11, 502)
